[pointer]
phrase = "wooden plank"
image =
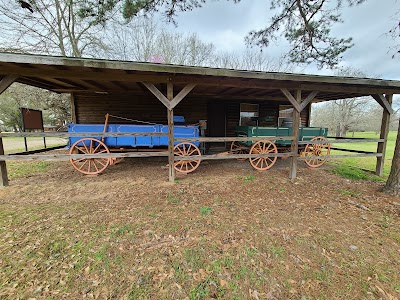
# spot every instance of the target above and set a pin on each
(343, 156)
(384, 103)
(309, 98)
(295, 141)
(170, 113)
(231, 156)
(6, 82)
(67, 157)
(291, 99)
(380, 162)
(351, 150)
(80, 134)
(342, 141)
(3, 167)
(182, 94)
(236, 139)
(73, 109)
(352, 138)
(151, 87)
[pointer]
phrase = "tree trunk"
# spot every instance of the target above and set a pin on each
(393, 183)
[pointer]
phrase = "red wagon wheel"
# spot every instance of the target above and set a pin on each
(238, 148)
(263, 147)
(89, 166)
(186, 149)
(323, 150)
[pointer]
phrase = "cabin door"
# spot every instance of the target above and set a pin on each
(216, 123)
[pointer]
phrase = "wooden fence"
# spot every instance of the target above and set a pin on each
(226, 155)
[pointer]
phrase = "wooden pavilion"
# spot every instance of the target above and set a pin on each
(155, 92)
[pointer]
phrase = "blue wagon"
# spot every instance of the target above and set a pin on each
(98, 145)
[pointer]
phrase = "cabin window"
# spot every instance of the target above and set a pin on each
(248, 114)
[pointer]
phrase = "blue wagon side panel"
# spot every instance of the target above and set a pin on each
(180, 132)
(135, 141)
(75, 128)
(138, 141)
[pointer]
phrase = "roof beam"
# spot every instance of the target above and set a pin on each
(308, 99)
(175, 101)
(383, 102)
(6, 82)
(292, 100)
(182, 94)
(155, 91)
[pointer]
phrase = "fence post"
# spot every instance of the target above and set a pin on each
(295, 141)
(380, 161)
(170, 96)
(3, 167)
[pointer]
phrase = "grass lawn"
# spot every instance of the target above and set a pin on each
(353, 167)
(16, 144)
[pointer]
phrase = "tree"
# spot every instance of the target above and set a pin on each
(56, 108)
(145, 40)
(305, 24)
(53, 27)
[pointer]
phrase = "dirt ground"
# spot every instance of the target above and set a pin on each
(223, 232)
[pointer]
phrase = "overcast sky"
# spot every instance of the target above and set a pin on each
(225, 24)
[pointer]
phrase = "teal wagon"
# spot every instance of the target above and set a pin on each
(317, 151)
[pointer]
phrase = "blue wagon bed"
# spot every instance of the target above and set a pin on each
(154, 137)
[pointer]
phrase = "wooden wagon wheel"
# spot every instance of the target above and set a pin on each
(263, 147)
(89, 166)
(186, 149)
(238, 148)
(323, 150)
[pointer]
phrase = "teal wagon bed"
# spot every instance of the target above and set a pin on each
(315, 153)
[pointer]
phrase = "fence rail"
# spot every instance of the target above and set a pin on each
(78, 134)
(225, 155)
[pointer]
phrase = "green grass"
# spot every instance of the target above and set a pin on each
(206, 210)
(249, 178)
(354, 168)
(16, 144)
(18, 169)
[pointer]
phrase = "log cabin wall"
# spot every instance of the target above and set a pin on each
(91, 109)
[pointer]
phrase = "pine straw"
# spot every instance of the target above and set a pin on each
(129, 234)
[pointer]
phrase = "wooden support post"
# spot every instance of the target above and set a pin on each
(380, 161)
(3, 167)
(6, 82)
(170, 96)
(295, 133)
(73, 109)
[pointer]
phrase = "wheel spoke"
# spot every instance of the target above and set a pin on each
(95, 166)
(84, 145)
(190, 163)
(91, 146)
(101, 163)
(194, 150)
(98, 146)
(184, 149)
(179, 149)
(90, 165)
(80, 149)
(80, 168)
(258, 161)
(268, 148)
